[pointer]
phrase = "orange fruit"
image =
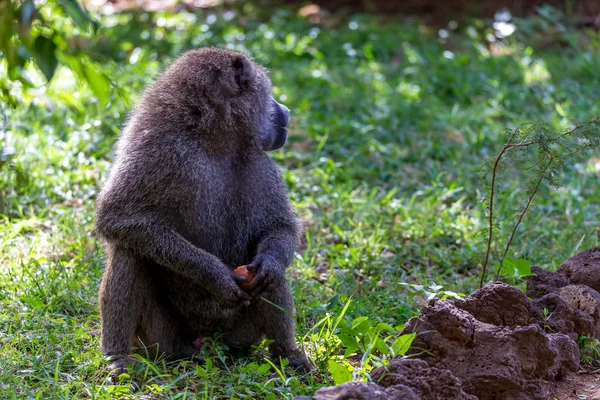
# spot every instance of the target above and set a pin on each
(249, 275)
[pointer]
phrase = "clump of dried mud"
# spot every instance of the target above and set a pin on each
(402, 379)
(497, 343)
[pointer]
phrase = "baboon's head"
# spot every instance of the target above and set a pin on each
(228, 93)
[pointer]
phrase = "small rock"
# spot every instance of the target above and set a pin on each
(429, 383)
(567, 355)
(362, 391)
(556, 315)
(583, 268)
(543, 282)
(442, 316)
(586, 300)
(499, 304)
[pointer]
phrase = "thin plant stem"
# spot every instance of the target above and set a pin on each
(491, 207)
(529, 200)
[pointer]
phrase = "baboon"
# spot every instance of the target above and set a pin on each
(190, 196)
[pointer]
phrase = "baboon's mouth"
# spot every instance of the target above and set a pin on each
(282, 114)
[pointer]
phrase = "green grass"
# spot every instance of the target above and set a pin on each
(390, 126)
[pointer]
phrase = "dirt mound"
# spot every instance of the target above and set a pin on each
(573, 289)
(581, 269)
(497, 344)
(558, 316)
(402, 379)
(494, 344)
(362, 391)
(425, 381)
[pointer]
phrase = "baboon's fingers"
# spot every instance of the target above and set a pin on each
(239, 278)
(256, 263)
(233, 298)
(261, 276)
(242, 297)
(260, 286)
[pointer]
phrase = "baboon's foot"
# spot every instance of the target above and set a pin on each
(297, 360)
(118, 366)
(198, 343)
(193, 349)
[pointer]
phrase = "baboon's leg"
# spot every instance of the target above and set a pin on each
(121, 299)
(263, 319)
(163, 331)
(131, 313)
(280, 325)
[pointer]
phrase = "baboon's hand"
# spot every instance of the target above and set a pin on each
(229, 293)
(269, 274)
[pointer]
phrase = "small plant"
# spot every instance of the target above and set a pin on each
(546, 152)
(516, 269)
(367, 344)
(432, 291)
(589, 348)
(546, 315)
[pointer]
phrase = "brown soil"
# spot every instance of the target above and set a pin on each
(494, 344)
(581, 386)
(498, 344)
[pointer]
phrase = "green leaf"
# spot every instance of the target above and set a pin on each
(90, 73)
(333, 303)
(429, 295)
(508, 267)
(339, 372)
(70, 100)
(22, 177)
(264, 369)
(44, 53)
(402, 343)
(523, 267)
(350, 351)
(338, 230)
(98, 82)
(348, 341)
(449, 293)
(118, 390)
(81, 18)
(357, 321)
(341, 316)
(363, 327)
(381, 346)
(344, 327)
(382, 326)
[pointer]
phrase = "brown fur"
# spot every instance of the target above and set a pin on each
(191, 196)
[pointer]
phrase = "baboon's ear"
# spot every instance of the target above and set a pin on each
(242, 72)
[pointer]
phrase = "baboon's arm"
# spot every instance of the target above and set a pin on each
(150, 237)
(280, 243)
(274, 254)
